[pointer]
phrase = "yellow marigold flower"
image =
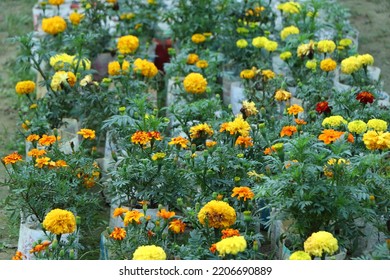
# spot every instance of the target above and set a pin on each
(202, 64)
(12, 158)
(333, 121)
(268, 74)
(244, 141)
(350, 65)
(62, 77)
(200, 131)
(118, 233)
(247, 74)
(346, 42)
(158, 156)
(249, 108)
(42, 161)
(290, 7)
(277, 147)
(33, 137)
(61, 61)
(133, 216)
(365, 59)
(18, 256)
(56, 2)
(192, 58)
(311, 64)
(119, 211)
(47, 140)
(127, 44)
(300, 256)
(326, 46)
(61, 163)
(304, 50)
(328, 65)
(287, 31)
(25, 87)
(229, 232)
(242, 30)
(36, 153)
(242, 43)
(114, 67)
(271, 46)
(238, 126)
(33, 106)
(285, 55)
(86, 80)
(179, 141)
(141, 137)
(210, 143)
(243, 192)
(294, 109)
(231, 245)
(217, 214)
(145, 68)
(111, 1)
(320, 243)
(53, 25)
(328, 136)
(75, 18)
(376, 140)
(59, 221)
(149, 252)
(195, 83)
(177, 226)
(81, 63)
(357, 126)
(260, 42)
(198, 38)
(288, 130)
(87, 133)
(377, 124)
(282, 95)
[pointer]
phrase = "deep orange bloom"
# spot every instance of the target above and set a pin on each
(61, 163)
(155, 135)
(179, 141)
(243, 192)
(365, 97)
(47, 140)
(141, 137)
(12, 158)
(294, 109)
(330, 135)
(288, 130)
(269, 151)
(18, 256)
(244, 141)
(165, 214)
(229, 232)
(33, 137)
(133, 216)
(40, 247)
(36, 153)
(213, 248)
(87, 133)
(119, 211)
(118, 233)
(177, 226)
(300, 121)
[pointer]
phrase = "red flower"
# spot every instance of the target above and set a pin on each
(323, 107)
(365, 97)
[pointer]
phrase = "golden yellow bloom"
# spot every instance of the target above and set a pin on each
(287, 31)
(326, 46)
(365, 59)
(300, 256)
(114, 68)
(376, 140)
(210, 143)
(61, 163)
(32, 137)
(271, 46)
(118, 233)
(179, 142)
(260, 42)
(243, 192)
(75, 18)
(200, 131)
(304, 50)
(294, 109)
(217, 214)
(177, 226)
(12, 158)
(350, 65)
(195, 83)
(346, 42)
(311, 64)
(244, 141)
(165, 214)
(87, 133)
(61, 61)
(25, 87)
(42, 161)
(47, 140)
(36, 153)
(328, 65)
(33, 106)
(149, 252)
(282, 95)
(231, 245)
(119, 211)
(249, 108)
(53, 25)
(285, 55)
(238, 126)
(357, 126)
(289, 7)
(192, 58)
(333, 121)
(377, 124)
(268, 74)
(133, 216)
(158, 156)
(247, 74)
(202, 64)
(320, 243)
(127, 44)
(198, 38)
(62, 77)
(242, 43)
(56, 2)
(145, 68)
(59, 221)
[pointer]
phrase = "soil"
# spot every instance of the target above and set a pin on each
(370, 17)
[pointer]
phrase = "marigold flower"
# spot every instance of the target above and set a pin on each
(40, 247)
(59, 221)
(198, 38)
(32, 137)
(118, 233)
(75, 18)
(285, 55)
(268, 151)
(238, 126)
(61, 163)
(244, 141)
(300, 121)
(25, 87)
(192, 58)
(328, 136)
(87, 133)
(127, 44)
(306, 50)
(282, 95)
(149, 252)
(249, 108)
(268, 74)
(53, 25)
(271, 46)
(12, 158)
(229, 232)
(288, 130)
(141, 137)
(202, 64)
(294, 109)
(231, 245)
(247, 74)
(350, 65)
(328, 65)
(287, 31)
(179, 141)
(365, 97)
(323, 107)
(62, 77)
(177, 226)
(47, 140)
(346, 42)
(326, 46)
(210, 143)
(377, 124)
(213, 248)
(158, 156)
(311, 64)
(133, 216)
(243, 192)
(289, 7)
(165, 214)
(195, 83)
(260, 42)
(242, 43)
(145, 68)
(320, 243)
(42, 161)
(119, 211)
(300, 256)
(155, 135)
(200, 131)
(376, 140)
(217, 214)
(365, 59)
(18, 256)
(36, 153)
(357, 126)
(333, 121)
(56, 2)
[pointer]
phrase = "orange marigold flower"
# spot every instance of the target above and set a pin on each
(165, 214)
(47, 140)
(133, 216)
(118, 233)
(141, 137)
(210, 143)
(42, 161)
(294, 109)
(288, 130)
(119, 211)
(229, 232)
(365, 97)
(243, 192)
(268, 151)
(61, 163)
(40, 247)
(244, 141)
(25, 87)
(12, 158)
(18, 256)
(177, 226)
(179, 141)
(155, 135)
(33, 137)
(87, 133)
(213, 248)
(36, 153)
(330, 135)
(300, 121)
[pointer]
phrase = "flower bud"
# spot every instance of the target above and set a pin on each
(71, 254)
(54, 244)
(78, 220)
(255, 245)
(179, 202)
(62, 253)
(247, 216)
(197, 207)
(237, 179)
